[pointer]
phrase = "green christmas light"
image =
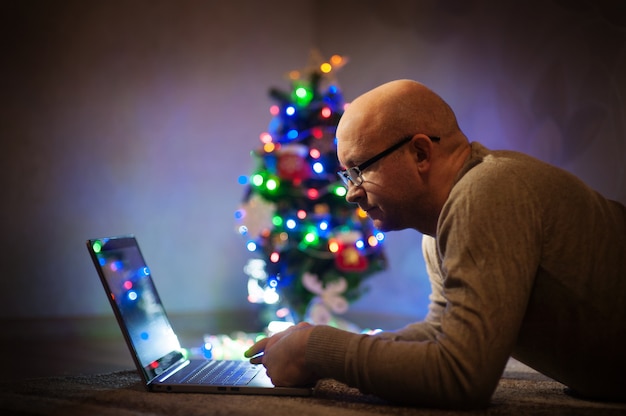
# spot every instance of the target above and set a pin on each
(257, 180)
(311, 237)
(340, 191)
(302, 96)
(97, 247)
(271, 184)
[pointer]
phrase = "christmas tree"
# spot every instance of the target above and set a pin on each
(313, 249)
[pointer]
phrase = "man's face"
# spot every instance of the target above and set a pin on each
(385, 193)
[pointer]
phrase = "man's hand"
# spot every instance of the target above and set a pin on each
(283, 356)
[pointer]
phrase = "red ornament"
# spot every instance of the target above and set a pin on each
(293, 166)
(349, 259)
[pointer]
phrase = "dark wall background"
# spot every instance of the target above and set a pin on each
(138, 117)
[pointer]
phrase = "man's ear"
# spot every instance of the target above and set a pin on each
(423, 147)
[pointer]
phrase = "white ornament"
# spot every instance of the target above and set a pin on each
(257, 216)
(329, 299)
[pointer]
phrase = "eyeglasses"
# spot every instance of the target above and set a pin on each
(355, 174)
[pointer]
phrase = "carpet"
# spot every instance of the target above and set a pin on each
(521, 391)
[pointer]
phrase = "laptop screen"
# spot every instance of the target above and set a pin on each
(137, 305)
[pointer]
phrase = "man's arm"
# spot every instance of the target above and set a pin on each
(456, 358)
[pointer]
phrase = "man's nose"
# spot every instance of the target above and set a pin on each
(354, 194)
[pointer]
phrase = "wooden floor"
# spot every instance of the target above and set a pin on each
(51, 347)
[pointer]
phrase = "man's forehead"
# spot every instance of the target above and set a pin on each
(354, 124)
(349, 149)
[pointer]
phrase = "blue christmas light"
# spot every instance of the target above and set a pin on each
(318, 167)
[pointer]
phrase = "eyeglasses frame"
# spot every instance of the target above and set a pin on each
(347, 178)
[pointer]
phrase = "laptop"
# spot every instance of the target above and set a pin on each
(157, 353)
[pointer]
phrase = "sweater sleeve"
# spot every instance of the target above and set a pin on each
(489, 251)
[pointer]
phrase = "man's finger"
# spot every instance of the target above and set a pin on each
(256, 349)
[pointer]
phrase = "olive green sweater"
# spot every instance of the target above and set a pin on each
(528, 262)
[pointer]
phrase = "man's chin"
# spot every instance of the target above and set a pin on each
(379, 224)
(378, 219)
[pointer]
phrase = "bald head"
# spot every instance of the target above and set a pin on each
(397, 109)
(380, 119)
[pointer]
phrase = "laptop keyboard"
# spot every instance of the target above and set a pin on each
(224, 373)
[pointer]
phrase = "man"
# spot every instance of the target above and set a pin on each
(523, 258)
